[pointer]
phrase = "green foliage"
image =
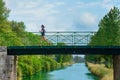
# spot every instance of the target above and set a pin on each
(7, 36)
(36, 64)
(26, 69)
(4, 12)
(9, 39)
(13, 33)
(17, 27)
(108, 32)
(29, 64)
(63, 58)
(5, 26)
(19, 71)
(107, 35)
(43, 63)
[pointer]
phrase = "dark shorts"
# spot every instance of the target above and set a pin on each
(42, 34)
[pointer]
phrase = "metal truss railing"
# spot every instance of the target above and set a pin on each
(69, 38)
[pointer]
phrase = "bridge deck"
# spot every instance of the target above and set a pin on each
(40, 50)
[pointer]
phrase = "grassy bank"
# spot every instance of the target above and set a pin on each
(29, 65)
(101, 71)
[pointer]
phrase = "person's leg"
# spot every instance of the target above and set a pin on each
(43, 35)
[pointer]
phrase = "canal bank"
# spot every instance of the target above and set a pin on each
(101, 71)
(76, 71)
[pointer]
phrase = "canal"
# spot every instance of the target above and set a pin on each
(76, 71)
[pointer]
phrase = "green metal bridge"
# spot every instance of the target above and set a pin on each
(75, 43)
(70, 38)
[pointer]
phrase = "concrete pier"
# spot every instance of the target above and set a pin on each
(7, 65)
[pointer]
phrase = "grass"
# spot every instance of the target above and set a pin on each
(101, 71)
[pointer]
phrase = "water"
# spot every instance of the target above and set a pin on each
(77, 71)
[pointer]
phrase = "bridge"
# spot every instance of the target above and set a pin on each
(47, 50)
(74, 43)
(70, 37)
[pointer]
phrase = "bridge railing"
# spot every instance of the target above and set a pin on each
(51, 38)
(69, 38)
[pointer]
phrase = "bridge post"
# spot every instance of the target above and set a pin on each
(7, 65)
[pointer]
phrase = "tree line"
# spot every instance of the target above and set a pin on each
(107, 35)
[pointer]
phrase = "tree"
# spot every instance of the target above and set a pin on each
(65, 57)
(4, 12)
(78, 59)
(17, 26)
(109, 35)
(110, 25)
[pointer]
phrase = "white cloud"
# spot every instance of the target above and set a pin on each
(88, 19)
(30, 5)
(54, 14)
(60, 3)
(107, 4)
(106, 1)
(34, 14)
(48, 6)
(83, 4)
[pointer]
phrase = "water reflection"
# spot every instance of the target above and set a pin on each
(38, 76)
(77, 71)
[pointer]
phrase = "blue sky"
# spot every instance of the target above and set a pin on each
(60, 15)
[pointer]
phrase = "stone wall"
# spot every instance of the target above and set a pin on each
(7, 65)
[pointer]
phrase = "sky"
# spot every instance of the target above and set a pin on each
(60, 15)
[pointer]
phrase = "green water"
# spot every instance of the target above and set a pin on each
(77, 71)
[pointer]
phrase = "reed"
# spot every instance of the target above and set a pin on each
(101, 71)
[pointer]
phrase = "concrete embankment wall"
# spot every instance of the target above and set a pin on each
(7, 65)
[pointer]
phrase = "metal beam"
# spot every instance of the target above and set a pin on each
(46, 50)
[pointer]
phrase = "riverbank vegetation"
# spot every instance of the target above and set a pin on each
(29, 65)
(101, 71)
(107, 35)
(13, 33)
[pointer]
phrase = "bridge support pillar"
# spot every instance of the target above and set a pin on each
(7, 65)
